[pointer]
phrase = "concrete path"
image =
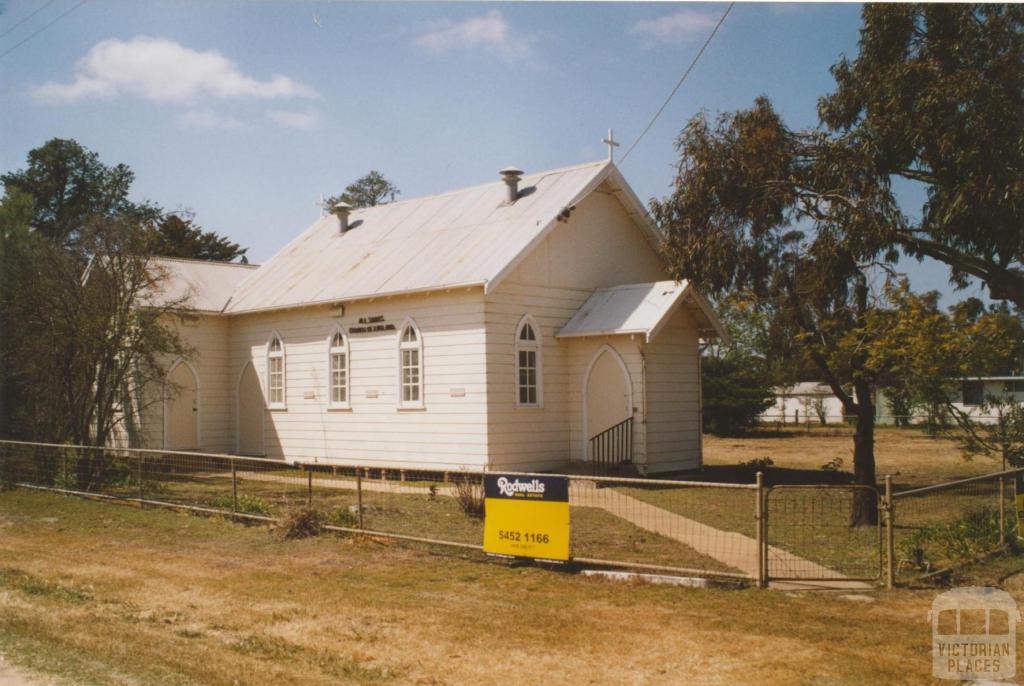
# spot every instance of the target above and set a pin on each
(727, 547)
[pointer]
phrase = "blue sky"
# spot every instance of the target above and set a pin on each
(245, 112)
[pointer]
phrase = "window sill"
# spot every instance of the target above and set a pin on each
(277, 408)
(339, 408)
(536, 406)
(411, 408)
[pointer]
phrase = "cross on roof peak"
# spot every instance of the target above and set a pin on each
(612, 144)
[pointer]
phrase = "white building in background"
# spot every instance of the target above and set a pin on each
(502, 326)
(802, 402)
(970, 397)
(806, 401)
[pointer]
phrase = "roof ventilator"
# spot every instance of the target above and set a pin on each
(511, 177)
(341, 211)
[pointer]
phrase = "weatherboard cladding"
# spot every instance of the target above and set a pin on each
(469, 237)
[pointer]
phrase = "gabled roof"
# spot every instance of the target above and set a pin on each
(202, 285)
(639, 308)
(468, 237)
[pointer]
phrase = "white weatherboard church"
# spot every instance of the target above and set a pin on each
(517, 325)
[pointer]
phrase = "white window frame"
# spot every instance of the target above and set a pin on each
(404, 347)
(333, 350)
(283, 356)
(536, 346)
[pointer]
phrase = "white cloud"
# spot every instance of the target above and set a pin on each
(489, 32)
(161, 70)
(211, 121)
(677, 27)
(303, 120)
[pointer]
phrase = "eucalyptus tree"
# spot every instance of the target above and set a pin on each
(807, 221)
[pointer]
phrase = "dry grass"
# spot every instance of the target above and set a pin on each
(914, 458)
(107, 594)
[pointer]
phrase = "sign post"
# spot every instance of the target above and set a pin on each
(1018, 493)
(526, 516)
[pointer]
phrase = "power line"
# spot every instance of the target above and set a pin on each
(679, 83)
(32, 14)
(41, 29)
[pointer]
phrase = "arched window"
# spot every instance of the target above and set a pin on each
(529, 364)
(410, 365)
(275, 372)
(337, 360)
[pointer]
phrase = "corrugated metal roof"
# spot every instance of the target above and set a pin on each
(207, 286)
(461, 238)
(638, 308)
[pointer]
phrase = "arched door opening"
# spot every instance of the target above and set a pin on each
(249, 439)
(608, 409)
(181, 408)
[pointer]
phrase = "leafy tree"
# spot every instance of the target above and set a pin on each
(736, 390)
(936, 97)
(82, 338)
(367, 191)
(730, 229)
(89, 343)
(70, 185)
(806, 220)
(178, 236)
(15, 265)
(737, 375)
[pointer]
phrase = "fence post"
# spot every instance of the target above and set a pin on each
(359, 496)
(309, 488)
(64, 460)
(1002, 510)
(142, 459)
(234, 488)
(890, 535)
(760, 530)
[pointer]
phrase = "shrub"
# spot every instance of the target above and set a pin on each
(342, 516)
(758, 462)
(469, 494)
(965, 539)
(247, 504)
(301, 522)
(833, 465)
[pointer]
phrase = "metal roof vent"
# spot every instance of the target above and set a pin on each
(511, 176)
(341, 211)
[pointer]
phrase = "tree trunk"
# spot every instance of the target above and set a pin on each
(865, 501)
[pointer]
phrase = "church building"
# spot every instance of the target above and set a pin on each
(519, 325)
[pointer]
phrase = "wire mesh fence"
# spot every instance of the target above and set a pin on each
(706, 529)
(823, 533)
(740, 531)
(940, 527)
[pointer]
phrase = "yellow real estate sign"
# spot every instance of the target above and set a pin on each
(526, 516)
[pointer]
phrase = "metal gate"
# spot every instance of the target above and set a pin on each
(810, 533)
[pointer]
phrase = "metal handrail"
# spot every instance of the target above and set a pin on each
(613, 446)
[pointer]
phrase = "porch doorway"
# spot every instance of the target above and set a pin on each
(608, 409)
